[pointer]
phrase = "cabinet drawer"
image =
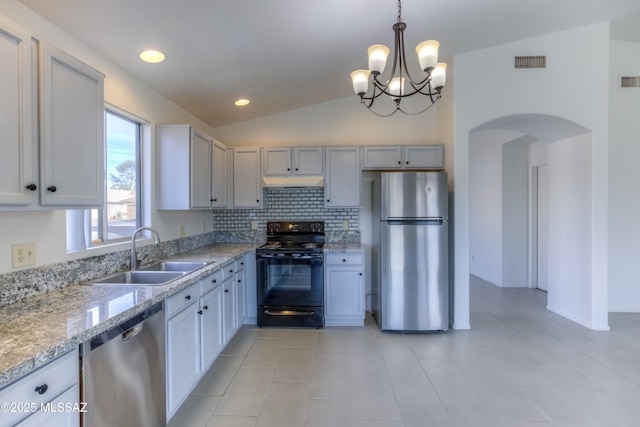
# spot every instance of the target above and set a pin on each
(240, 264)
(211, 282)
(40, 386)
(181, 300)
(343, 259)
(229, 270)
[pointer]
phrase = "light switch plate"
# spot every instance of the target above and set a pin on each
(23, 254)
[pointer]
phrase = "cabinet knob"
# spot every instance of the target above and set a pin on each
(288, 169)
(206, 307)
(230, 271)
(53, 189)
(239, 280)
(399, 162)
(257, 201)
(42, 389)
(32, 187)
(328, 200)
(296, 168)
(360, 274)
(226, 290)
(188, 297)
(344, 260)
(242, 263)
(214, 281)
(407, 162)
(199, 311)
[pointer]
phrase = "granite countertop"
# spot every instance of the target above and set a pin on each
(343, 247)
(38, 329)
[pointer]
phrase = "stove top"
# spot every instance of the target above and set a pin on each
(301, 237)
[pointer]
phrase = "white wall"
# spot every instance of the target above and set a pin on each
(557, 91)
(624, 176)
(570, 228)
(47, 229)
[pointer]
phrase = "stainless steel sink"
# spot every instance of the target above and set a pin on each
(138, 277)
(183, 266)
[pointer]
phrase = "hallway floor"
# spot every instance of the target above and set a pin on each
(520, 365)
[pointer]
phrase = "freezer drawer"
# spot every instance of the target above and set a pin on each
(414, 285)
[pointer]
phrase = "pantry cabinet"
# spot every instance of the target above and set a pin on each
(71, 130)
(343, 177)
(300, 161)
(192, 169)
(387, 157)
(344, 289)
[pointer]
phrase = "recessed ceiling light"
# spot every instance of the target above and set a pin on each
(152, 56)
(242, 102)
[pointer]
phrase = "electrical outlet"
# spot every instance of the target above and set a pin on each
(181, 230)
(23, 254)
(345, 224)
(254, 225)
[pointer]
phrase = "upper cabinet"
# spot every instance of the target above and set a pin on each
(71, 126)
(403, 157)
(71, 131)
(343, 177)
(293, 161)
(191, 170)
(247, 178)
(18, 179)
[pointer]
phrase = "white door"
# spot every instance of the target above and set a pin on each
(543, 227)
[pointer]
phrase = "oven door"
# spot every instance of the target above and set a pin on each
(290, 289)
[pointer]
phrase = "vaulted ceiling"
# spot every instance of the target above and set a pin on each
(287, 54)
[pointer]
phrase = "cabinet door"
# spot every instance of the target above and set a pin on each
(308, 161)
(277, 160)
(72, 131)
(183, 355)
(17, 144)
(250, 290)
(210, 327)
(200, 173)
(247, 178)
(343, 177)
(219, 176)
(61, 411)
(424, 157)
(228, 310)
(239, 296)
(344, 296)
(382, 157)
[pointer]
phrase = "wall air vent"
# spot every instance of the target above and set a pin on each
(630, 81)
(539, 61)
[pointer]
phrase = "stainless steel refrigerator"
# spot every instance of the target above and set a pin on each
(410, 287)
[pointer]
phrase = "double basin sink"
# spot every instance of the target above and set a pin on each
(156, 274)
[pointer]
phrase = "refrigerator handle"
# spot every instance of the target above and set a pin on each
(405, 221)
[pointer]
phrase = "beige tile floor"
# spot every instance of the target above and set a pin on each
(520, 365)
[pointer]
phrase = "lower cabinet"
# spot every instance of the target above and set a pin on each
(201, 320)
(49, 396)
(344, 289)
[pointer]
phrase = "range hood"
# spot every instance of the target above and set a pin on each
(292, 181)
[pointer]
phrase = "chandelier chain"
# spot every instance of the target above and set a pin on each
(399, 11)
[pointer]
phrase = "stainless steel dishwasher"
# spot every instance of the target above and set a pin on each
(123, 373)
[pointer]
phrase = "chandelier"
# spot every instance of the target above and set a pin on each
(400, 84)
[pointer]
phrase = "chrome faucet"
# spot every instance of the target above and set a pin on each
(134, 258)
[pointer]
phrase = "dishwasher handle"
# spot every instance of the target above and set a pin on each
(125, 330)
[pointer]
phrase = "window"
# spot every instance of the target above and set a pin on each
(122, 212)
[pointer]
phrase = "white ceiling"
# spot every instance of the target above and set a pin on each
(287, 54)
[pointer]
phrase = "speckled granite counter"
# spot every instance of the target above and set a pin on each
(38, 329)
(343, 247)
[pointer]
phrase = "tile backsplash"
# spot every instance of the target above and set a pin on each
(287, 204)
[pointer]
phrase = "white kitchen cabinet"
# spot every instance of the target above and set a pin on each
(228, 310)
(211, 327)
(55, 382)
(192, 169)
(63, 411)
(71, 131)
(344, 289)
(250, 290)
(183, 346)
(387, 157)
(240, 294)
(343, 177)
(247, 178)
(301, 161)
(18, 147)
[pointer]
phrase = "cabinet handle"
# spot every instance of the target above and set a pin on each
(296, 168)
(214, 281)
(230, 271)
(188, 297)
(32, 187)
(226, 290)
(344, 260)
(199, 311)
(328, 200)
(257, 201)
(242, 263)
(399, 162)
(360, 274)
(53, 189)
(206, 307)
(239, 280)
(288, 169)
(42, 389)
(407, 162)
